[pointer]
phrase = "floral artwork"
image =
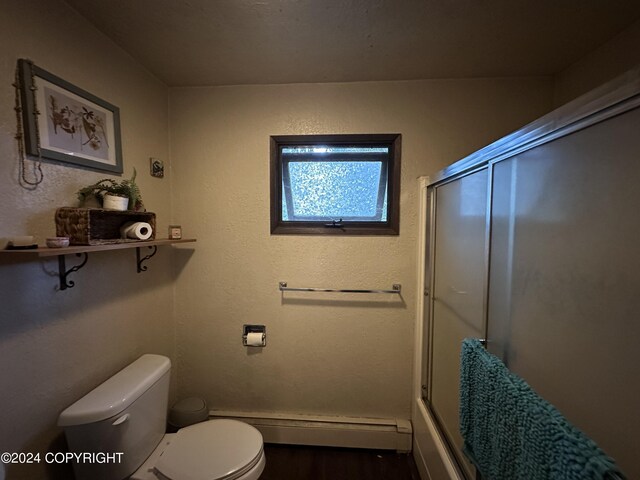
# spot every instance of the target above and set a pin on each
(75, 126)
(66, 124)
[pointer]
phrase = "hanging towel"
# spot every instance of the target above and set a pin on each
(511, 433)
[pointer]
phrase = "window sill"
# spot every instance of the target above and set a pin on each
(337, 231)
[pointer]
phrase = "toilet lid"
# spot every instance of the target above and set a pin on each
(212, 450)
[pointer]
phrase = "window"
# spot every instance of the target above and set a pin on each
(335, 184)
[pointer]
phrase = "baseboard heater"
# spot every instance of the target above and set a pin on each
(325, 430)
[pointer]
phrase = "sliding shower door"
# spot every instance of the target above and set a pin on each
(458, 279)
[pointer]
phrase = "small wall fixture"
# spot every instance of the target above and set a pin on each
(254, 335)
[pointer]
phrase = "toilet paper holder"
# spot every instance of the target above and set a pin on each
(247, 329)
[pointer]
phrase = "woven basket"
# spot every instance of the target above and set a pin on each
(96, 226)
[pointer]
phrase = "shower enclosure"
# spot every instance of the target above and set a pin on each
(532, 244)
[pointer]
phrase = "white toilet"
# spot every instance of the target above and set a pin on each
(125, 417)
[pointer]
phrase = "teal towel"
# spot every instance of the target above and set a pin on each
(511, 433)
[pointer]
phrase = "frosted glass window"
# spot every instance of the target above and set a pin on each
(332, 186)
(333, 190)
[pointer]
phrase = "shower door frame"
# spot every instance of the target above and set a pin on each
(430, 273)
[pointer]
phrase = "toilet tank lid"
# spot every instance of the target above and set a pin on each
(117, 393)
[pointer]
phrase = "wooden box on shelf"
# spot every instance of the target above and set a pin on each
(97, 226)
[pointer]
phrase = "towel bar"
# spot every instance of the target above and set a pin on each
(395, 288)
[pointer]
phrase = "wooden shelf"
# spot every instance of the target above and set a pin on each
(54, 252)
(84, 250)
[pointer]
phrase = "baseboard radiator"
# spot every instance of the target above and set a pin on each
(325, 430)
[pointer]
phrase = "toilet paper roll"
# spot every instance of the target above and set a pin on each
(254, 339)
(136, 230)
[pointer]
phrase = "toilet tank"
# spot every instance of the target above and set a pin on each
(124, 417)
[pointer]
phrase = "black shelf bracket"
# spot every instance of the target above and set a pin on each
(143, 268)
(64, 273)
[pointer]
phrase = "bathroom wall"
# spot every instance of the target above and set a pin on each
(326, 353)
(56, 346)
(615, 57)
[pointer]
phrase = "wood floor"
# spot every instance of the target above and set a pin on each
(295, 462)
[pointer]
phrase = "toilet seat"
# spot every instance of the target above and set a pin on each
(213, 450)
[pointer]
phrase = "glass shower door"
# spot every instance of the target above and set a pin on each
(458, 294)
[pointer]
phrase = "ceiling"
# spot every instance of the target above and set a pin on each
(233, 42)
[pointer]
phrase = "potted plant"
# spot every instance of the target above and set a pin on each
(114, 195)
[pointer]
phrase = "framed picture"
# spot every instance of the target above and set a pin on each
(156, 167)
(67, 124)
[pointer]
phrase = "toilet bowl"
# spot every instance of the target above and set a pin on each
(126, 417)
(212, 450)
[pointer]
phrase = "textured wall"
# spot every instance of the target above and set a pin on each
(56, 346)
(618, 55)
(359, 362)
